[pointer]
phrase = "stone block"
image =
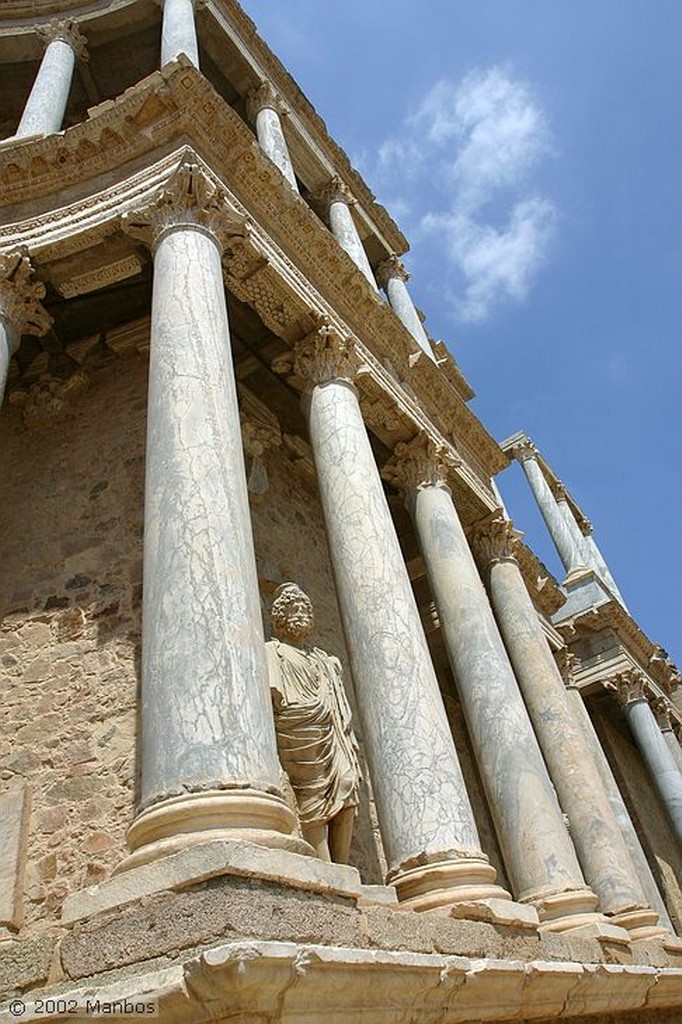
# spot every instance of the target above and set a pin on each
(602, 931)
(25, 964)
(14, 813)
(378, 895)
(504, 912)
(210, 860)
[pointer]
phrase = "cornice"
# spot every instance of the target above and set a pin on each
(612, 615)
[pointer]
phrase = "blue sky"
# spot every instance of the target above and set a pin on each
(530, 150)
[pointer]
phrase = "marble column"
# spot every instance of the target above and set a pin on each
(427, 825)
(630, 690)
(209, 766)
(20, 308)
(597, 561)
(601, 849)
(178, 32)
(620, 811)
(663, 713)
(337, 199)
(46, 104)
(392, 277)
(569, 548)
(538, 853)
(265, 111)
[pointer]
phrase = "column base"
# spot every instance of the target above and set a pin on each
(251, 815)
(565, 911)
(447, 882)
(641, 923)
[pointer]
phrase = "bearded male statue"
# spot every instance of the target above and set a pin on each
(317, 746)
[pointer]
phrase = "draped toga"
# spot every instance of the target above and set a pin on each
(317, 746)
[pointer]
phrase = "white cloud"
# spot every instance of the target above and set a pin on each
(468, 145)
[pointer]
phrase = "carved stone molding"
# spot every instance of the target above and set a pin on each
(189, 198)
(524, 449)
(567, 663)
(494, 537)
(628, 686)
(20, 297)
(66, 30)
(419, 463)
(262, 97)
(388, 268)
(334, 191)
(322, 356)
(48, 399)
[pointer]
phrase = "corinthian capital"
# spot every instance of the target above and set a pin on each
(335, 191)
(65, 29)
(189, 198)
(20, 296)
(262, 97)
(628, 686)
(524, 449)
(323, 356)
(494, 537)
(420, 463)
(388, 268)
(662, 709)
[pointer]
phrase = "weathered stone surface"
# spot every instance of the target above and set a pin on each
(14, 812)
(25, 964)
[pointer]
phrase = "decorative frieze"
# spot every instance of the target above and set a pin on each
(101, 277)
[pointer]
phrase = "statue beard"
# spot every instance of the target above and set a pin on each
(295, 629)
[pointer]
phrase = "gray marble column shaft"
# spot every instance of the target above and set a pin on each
(673, 746)
(602, 852)
(570, 552)
(264, 109)
(391, 275)
(657, 758)
(618, 806)
(20, 308)
(338, 200)
(46, 104)
(538, 854)
(597, 561)
(207, 725)
(424, 812)
(178, 32)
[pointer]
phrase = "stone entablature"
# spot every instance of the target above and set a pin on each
(191, 107)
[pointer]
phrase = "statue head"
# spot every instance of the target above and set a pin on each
(292, 614)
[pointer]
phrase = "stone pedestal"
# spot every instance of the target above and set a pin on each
(45, 106)
(178, 32)
(630, 690)
(209, 767)
(20, 308)
(596, 560)
(620, 811)
(567, 544)
(265, 111)
(427, 825)
(538, 853)
(337, 200)
(392, 276)
(602, 852)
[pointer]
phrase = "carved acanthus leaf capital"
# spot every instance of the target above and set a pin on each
(524, 449)
(66, 30)
(628, 686)
(586, 527)
(567, 663)
(560, 492)
(264, 97)
(260, 427)
(663, 711)
(389, 268)
(189, 198)
(419, 463)
(494, 537)
(20, 296)
(323, 356)
(335, 191)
